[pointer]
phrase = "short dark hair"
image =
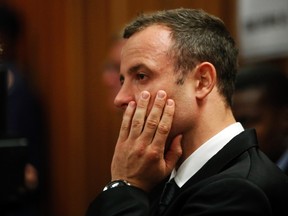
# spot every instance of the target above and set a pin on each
(197, 37)
(266, 77)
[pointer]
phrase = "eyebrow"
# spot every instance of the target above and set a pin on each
(135, 68)
(132, 70)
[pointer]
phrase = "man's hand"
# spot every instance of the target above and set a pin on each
(139, 154)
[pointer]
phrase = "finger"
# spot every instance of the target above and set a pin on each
(174, 153)
(154, 117)
(126, 121)
(164, 126)
(138, 120)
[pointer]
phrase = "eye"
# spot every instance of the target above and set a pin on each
(121, 79)
(141, 76)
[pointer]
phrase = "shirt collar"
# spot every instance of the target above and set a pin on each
(282, 163)
(206, 151)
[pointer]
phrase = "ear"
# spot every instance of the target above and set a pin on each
(205, 75)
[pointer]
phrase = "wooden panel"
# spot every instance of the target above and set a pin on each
(97, 162)
(225, 9)
(117, 12)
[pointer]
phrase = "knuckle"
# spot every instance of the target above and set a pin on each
(169, 113)
(142, 105)
(163, 129)
(136, 124)
(154, 155)
(140, 150)
(125, 127)
(159, 104)
(152, 124)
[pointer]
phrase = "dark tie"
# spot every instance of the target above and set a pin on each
(167, 195)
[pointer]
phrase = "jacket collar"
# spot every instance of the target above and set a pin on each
(239, 144)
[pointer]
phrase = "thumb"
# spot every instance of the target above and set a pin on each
(174, 153)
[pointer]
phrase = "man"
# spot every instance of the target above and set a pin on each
(180, 66)
(24, 118)
(261, 102)
(110, 75)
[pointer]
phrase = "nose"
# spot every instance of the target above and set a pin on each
(124, 96)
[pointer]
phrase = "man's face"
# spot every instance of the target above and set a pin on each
(147, 65)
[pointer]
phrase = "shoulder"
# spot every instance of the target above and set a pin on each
(226, 196)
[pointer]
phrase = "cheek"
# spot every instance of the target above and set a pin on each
(184, 114)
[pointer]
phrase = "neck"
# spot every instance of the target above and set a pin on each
(210, 120)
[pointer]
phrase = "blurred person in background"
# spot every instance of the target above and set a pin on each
(110, 75)
(24, 117)
(261, 102)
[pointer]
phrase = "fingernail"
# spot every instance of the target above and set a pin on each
(132, 104)
(145, 94)
(170, 102)
(161, 94)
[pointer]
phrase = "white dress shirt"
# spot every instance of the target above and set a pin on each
(206, 151)
(282, 163)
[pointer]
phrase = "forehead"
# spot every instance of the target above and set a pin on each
(151, 44)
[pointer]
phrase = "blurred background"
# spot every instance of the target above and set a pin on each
(63, 51)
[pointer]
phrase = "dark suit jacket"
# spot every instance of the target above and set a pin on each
(238, 180)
